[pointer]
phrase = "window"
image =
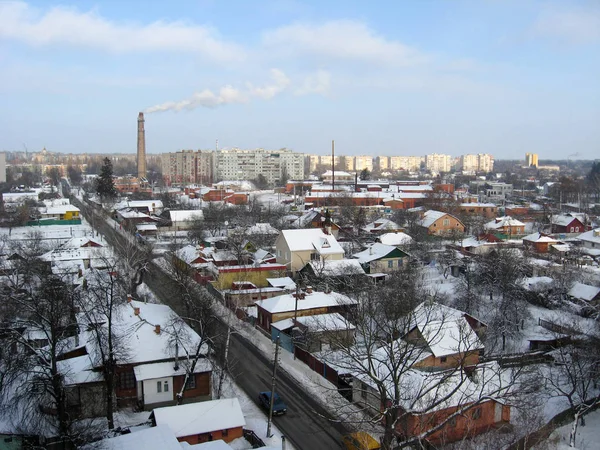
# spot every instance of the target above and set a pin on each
(390, 264)
(224, 433)
(314, 256)
(572, 229)
(446, 222)
(452, 422)
(443, 359)
(126, 380)
(363, 391)
(159, 386)
(191, 382)
(476, 413)
(166, 386)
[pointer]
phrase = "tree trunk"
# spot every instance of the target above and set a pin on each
(573, 433)
(110, 388)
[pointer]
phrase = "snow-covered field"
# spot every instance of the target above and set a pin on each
(587, 437)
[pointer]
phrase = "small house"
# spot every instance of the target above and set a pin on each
(440, 223)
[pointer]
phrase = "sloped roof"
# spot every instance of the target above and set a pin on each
(583, 291)
(262, 228)
(395, 239)
(539, 237)
(282, 282)
(381, 225)
(312, 239)
(590, 236)
(188, 253)
(502, 222)
(154, 438)
(339, 267)
(565, 219)
(167, 369)
(374, 252)
(202, 417)
(430, 217)
(287, 302)
(325, 322)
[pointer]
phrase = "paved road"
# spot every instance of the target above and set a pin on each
(306, 424)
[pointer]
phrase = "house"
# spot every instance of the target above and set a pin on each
(539, 242)
(183, 219)
(397, 239)
(129, 218)
(382, 226)
(590, 239)
(505, 226)
(488, 210)
(154, 438)
(316, 219)
(440, 223)
(305, 303)
(297, 247)
(61, 213)
(196, 260)
(339, 274)
(196, 423)
(381, 258)
(585, 293)
(567, 223)
(451, 337)
(144, 206)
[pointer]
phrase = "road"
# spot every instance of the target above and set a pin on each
(306, 424)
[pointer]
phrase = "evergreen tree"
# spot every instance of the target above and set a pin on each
(105, 186)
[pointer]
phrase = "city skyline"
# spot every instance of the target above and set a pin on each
(385, 79)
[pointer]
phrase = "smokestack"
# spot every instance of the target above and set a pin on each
(141, 147)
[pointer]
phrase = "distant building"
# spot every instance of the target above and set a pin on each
(2, 167)
(409, 163)
(531, 159)
(188, 166)
(438, 163)
(481, 162)
(363, 162)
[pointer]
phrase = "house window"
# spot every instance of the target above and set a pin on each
(191, 382)
(224, 433)
(452, 422)
(446, 222)
(166, 386)
(126, 380)
(476, 413)
(390, 264)
(443, 359)
(159, 386)
(572, 229)
(363, 391)
(314, 256)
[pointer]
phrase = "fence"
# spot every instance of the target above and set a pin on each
(253, 439)
(556, 327)
(318, 366)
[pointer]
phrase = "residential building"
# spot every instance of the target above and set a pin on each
(438, 163)
(568, 223)
(274, 165)
(590, 239)
(585, 293)
(440, 223)
(363, 162)
(408, 163)
(539, 242)
(506, 226)
(196, 423)
(481, 162)
(2, 167)
(488, 210)
(381, 226)
(188, 166)
(498, 191)
(381, 258)
(531, 159)
(297, 247)
(383, 163)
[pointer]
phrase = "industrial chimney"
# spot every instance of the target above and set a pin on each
(141, 147)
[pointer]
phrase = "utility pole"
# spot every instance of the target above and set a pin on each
(332, 166)
(273, 380)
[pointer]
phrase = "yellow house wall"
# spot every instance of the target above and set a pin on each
(259, 278)
(382, 265)
(301, 312)
(440, 228)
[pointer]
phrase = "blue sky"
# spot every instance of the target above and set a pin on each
(383, 78)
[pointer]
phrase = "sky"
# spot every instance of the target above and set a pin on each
(389, 78)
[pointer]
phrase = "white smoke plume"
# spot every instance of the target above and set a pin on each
(227, 95)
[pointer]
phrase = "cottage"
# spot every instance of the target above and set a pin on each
(440, 223)
(155, 438)
(506, 227)
(196, 423)
(381, 258)
(382, 226)
(488, 210)
(539, 242)
(398, 239)
(585, 293)
(298, 247)
(568, 223)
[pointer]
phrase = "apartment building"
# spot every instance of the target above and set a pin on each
(410, 163)
(187, 166)
(363, 162)
(383, 163)
(237, 164)
(481, 162)
(531, 159)
(438, 163)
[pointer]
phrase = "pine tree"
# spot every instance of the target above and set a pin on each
(105, 186)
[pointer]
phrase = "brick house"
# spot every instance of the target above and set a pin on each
(539, 242)
(488, 210)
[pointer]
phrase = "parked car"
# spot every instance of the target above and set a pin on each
(279, 407)
(360, 441)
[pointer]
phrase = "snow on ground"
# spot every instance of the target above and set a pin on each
(270, 197)
(587, 438)
(145, 294)
(60, 233)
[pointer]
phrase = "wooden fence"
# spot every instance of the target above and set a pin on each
(318, 366)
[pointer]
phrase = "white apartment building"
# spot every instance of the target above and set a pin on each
(438, 163)
(481, 162)
(410, 163)
(238, 165)
(383, 162)
(2, 167)
(187, 166)
(363, 162)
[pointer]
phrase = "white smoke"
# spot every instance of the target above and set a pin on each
(227, 95)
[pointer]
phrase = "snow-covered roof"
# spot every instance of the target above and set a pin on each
(283, 325)
(338, 173)
(167, 369)
(78, 370)
(60, 209)
(502, 222)
(535, 283)
(154, 438)
(374, 252)
(325, 322)
(381, 225)
(186, 215)
(592, 236)
(565, 219)
(152, 205)
(395, 239)
(287, 302)
(77, 242)
(539, 237)
(132, 214)
(584, 292)
(430, 217)
(339, 267)
(262, 228)
(202, 417)
(445, 329)
(188, 253)
(312, 239)
(478, 205)
(146, 227)
(282, 282)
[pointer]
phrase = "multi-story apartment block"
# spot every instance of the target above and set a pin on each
(363, 162)
(438, 163)
(274, 165)
(410, 163)
(187, 166)
(383, 163)
(531, 159)
(481, 162)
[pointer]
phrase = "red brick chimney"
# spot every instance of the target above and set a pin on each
(136, 311)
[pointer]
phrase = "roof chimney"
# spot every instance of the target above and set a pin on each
(129, 298)
(157, 329)
(136, 311)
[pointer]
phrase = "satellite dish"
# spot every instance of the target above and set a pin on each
(226, 222)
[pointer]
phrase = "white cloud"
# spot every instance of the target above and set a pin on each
(340, 40)
(318, 83)
(576, 26)
(280, 82)
(65, 26)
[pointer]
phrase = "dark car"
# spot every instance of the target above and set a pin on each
(278, 406)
